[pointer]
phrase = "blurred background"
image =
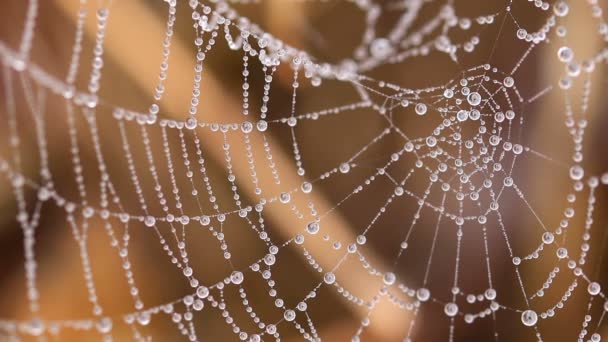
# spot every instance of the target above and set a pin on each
(330, 31)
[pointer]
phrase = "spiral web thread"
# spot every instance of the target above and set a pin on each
(461, 166)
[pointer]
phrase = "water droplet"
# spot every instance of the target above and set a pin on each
(306, 187)
(284, 197)
(329, 278)
(35, 327)
(529, 318)
(565, 54)
(237, 277)
(474, 99)
(344, 167)
(594, 288)
(191, 123)
(104, 325)
(450, 309)
(560, 8)
(548, 238)
(490, 294)
(270, 259)
(150, 221)
(246, 127)
(312, 228)
(475, 114)
(143, 318)
(389, 278)
(420, 109)
(271, 329)
(423, 294)
(262, 125)
(202, 292)
(381, 48)
(577, 172)
(289, 315)
(462, 115)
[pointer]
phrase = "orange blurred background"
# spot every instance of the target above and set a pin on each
(328, 30)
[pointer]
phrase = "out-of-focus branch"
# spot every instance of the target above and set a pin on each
(286, 19)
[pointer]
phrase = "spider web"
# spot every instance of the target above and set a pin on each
(439, 200)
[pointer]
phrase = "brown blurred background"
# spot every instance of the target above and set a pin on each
(329, 31)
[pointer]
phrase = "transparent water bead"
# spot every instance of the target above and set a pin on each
(329, 278)
(143, 318)
(475, 114)
(104, 325)
(285, 197)
(420, 109)
(423, 294)
(237, 277)
(490, 294)
(262, 125)
(450, 309)
(102, 14)
(306, 187)
(271, 329)
(548, 238)
(270, 259)
(35, 327)
(150, 221)
(577, 172)
(312, 228)
(202, 292)
(191, 123)
(289, 315)
(474, 99)
(246, 127)
(462, 115)
(529, 318)
(594, 288)
(344, 167)
(254, 338)
(560, 8)
(389, 278)
(565, 54)
(381, 48)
